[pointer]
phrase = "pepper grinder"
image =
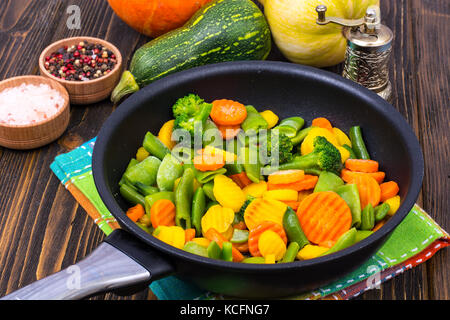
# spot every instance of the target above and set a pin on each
(369, 45)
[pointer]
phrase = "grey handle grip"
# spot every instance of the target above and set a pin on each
(106, 268)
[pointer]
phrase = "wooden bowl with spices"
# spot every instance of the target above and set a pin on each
(89, 68)
(34, 111)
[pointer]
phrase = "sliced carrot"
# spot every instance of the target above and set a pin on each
(189, 234)
(240, 225)
(324, 216)
(230, 131)
(241, 179)
(136, 212)
(369, 190)
(208, 161)
(213, 235)
(228, 112)
(327, 244)
(322, 123)
(286, 176)
(242, 247)
(293, 204)
(348, 175)
(162, 213)
(361, 165)
(308, 182)
(379, 225)
(256, 232)
(388, 190)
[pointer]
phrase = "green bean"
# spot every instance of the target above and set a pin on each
(291, 252)
(154, 146)
(198, 209)
(344, 241)
(350, 150)
(195, 248)
(254, 122)
(254, 260)
(367, 218)
(362, 234)
(301, 135)
(131, 195)
(152, 198)
(212, 203)
(169, 170)
(183, 199)
(143, 172)
(211, 134)
(234, 168)
(252, 166)
(350, 194)
(290, 126)
(214, 251)
(145, 190)
(132, 162)
(239, 236)
(328, 181)
(144, 227)
(358, 144)
(293, 229)
(207, 176)
(227, 251)
(208, 189)
(381, 211)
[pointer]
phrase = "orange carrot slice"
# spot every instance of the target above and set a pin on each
(136, 212)
(209, 161)
(308, 182)
(256, 232)
(322, 123)
(241, 179)
(228, 112)
(388, 190)
(293, 204)
(213, 235)
(369, 190)
(361, 165)
(162, 213)
(189, 234)
(286, 176)
(324, 216)
(230, 131)
(348, 175)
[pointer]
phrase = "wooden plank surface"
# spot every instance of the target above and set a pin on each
(42, 229)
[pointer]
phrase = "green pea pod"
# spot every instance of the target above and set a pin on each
(214, 251)
(344, 241)
(154, 146)
(211, 135)
(294, 164)
(130, 164)
(207, 176)
(152, 198)
(183, 199)
(208, 189)
(367, 218)
(143, 172)
(293, 229)
(198, 209)
(362, 234)
(300, 136)
(239, 236)
(350, 194)
(328, 181)
(291, 126)
(195, 248)
(169, 170)
(227, 251)
(252, 166)
(131, 195)
(350, 150)
(145, 190)
(254, 121)
(254, 260)
(381, 211)
(291, 252)
(144, 227)
(234, 168)
(358, 145)
(210, 204)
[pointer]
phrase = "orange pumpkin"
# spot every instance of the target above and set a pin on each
(155, 17)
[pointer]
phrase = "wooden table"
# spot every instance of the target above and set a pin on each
(42, 228)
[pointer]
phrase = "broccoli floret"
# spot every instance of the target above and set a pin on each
(190, 111)
(277, 142)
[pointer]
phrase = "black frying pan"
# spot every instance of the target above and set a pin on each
(288, 90)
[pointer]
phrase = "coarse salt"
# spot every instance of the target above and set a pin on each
(29, 104)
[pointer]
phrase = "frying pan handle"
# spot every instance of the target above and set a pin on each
(121, 261)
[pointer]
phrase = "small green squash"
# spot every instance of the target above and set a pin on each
(223, 30)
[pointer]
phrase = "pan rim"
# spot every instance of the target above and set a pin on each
(320, 75)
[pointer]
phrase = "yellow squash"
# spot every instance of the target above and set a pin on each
(300, 39)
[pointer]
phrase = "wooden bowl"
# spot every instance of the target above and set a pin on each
(32, 136)
(85, 92)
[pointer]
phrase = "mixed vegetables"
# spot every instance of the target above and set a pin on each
(225, 181)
